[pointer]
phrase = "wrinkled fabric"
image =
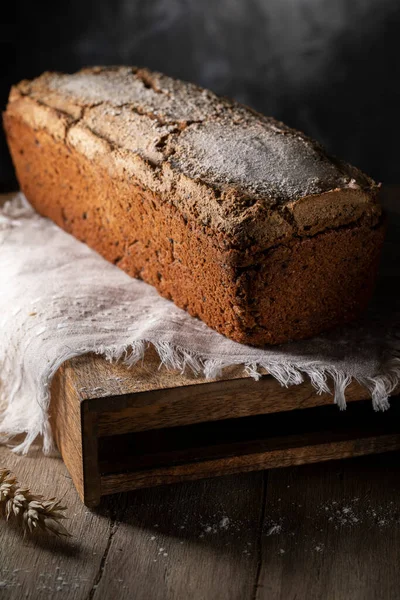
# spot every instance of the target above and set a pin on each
(60, 299)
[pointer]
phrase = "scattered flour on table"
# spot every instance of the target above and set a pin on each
(235, 532)
(328, 520)
(46, 581)
(360, 512)
(275, 529)
(223, 524)
(315, 529)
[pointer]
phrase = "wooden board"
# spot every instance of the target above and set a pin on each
(317, 531)
(120, 429)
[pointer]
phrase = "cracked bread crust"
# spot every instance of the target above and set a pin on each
(238, 219)
(238, 172)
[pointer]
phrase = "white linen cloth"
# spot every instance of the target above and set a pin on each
(59, 299)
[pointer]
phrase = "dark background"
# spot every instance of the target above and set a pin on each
(328, 67)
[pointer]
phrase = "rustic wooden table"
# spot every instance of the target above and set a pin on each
(327, 531)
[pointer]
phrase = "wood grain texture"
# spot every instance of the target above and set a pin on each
(66, 424)
(317, 531)
(192, 541)
(148, 397)
(296, 455)
(95, 377)
(48, 567)
(96, 403)
(332, 531)
(215, 401)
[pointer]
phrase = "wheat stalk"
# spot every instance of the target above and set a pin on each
(31, 511)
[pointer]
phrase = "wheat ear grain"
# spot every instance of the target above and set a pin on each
(31, 511)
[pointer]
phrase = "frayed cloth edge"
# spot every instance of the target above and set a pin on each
(175, 357)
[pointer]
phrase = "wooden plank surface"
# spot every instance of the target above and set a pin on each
(315, 532)
(48, 568)
(96, 432)
(187, 541)
(147, 396)
(332, 532)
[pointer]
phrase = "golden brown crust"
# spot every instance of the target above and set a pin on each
(254, 295)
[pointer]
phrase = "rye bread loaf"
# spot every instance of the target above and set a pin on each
(240, 220)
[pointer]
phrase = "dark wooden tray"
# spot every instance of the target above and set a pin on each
(119, 429)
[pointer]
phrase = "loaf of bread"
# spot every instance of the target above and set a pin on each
(243, 222)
